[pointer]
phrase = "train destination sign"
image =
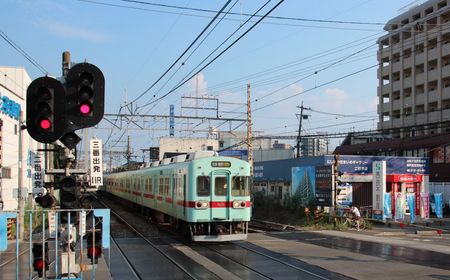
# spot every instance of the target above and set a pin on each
(221, 164)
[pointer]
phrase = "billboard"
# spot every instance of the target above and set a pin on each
(323, 185)
(303, 185)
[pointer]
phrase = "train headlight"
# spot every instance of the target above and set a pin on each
(239, 204)
(202, 204)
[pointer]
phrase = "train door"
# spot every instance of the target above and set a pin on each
(220, 196)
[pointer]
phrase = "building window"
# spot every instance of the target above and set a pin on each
(6, 173)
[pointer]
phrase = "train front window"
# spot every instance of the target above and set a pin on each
(220, 184)
(203, 186)
(240, 186)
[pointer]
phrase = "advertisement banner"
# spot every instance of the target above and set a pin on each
(425, 205)
(387, 209)
(411, 199)
(323, 185)
(399, 206)
(303, 185)
(438, 204)
(378, 188)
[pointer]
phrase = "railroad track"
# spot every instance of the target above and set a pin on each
(227, 260)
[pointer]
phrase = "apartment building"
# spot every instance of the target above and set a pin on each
(414, 72)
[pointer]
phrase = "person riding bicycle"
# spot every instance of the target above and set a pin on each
(356, 215)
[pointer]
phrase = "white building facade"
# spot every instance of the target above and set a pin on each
(17, 148)
(414, 72)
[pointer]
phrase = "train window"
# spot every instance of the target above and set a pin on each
(203, 186)
(240, 186)
(220, 184)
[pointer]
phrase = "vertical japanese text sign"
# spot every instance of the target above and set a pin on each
(38, 175)
(96, 163)
(378, 188)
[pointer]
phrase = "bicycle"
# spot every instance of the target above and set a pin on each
(350, 221)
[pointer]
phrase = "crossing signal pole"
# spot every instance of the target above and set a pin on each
(56, 108)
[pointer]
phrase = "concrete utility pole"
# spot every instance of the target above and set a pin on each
(20, 199)
(299, 137)
(249, 131)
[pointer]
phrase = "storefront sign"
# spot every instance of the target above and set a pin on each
(10, 107)
(378, 188)
(404, 178)
(363, 165)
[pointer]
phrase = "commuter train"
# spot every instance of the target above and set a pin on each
(202, 195)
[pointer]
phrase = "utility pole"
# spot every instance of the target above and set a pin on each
(249, 131)
(299, 137)
(128, 152)
(20, 199)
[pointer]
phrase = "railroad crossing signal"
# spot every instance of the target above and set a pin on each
(40, 258)
(94, 247)
(85, 88)
(45, 109)
(68, 198)
(56, 110)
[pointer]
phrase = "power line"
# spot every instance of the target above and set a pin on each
(22, 52)
(216, 57)
(184, 52)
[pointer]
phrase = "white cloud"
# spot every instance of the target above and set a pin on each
(73, 32)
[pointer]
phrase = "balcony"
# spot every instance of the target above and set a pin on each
(386, 89)
(420, 118)
(434, 116)
(433, 96)
(432, 74)
(407, 62)
(446, 71)
(420, 78)
(420, 99)
(407, 82)
(446, 115)
(396, 85)
(420, 58)
(407, 101)
(385, 107)
(445, 49)
(396, 122)
(396, 66)
(396, 104)
(433, 53)
(446, 93)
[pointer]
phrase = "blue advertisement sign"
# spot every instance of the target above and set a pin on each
(411, 199)
(10, 107)
(387, 206)
(240, 154)
(394, 165)
(438, 204)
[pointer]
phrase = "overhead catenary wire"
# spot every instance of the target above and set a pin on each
(217, 56)
(181, 56)
(22, 52)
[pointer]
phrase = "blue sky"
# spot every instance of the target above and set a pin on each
(135, 43)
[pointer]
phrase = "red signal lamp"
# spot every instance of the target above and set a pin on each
(45, 123)
(39, 264)
(85, 108)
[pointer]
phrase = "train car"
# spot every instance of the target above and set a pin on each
(205, 197)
